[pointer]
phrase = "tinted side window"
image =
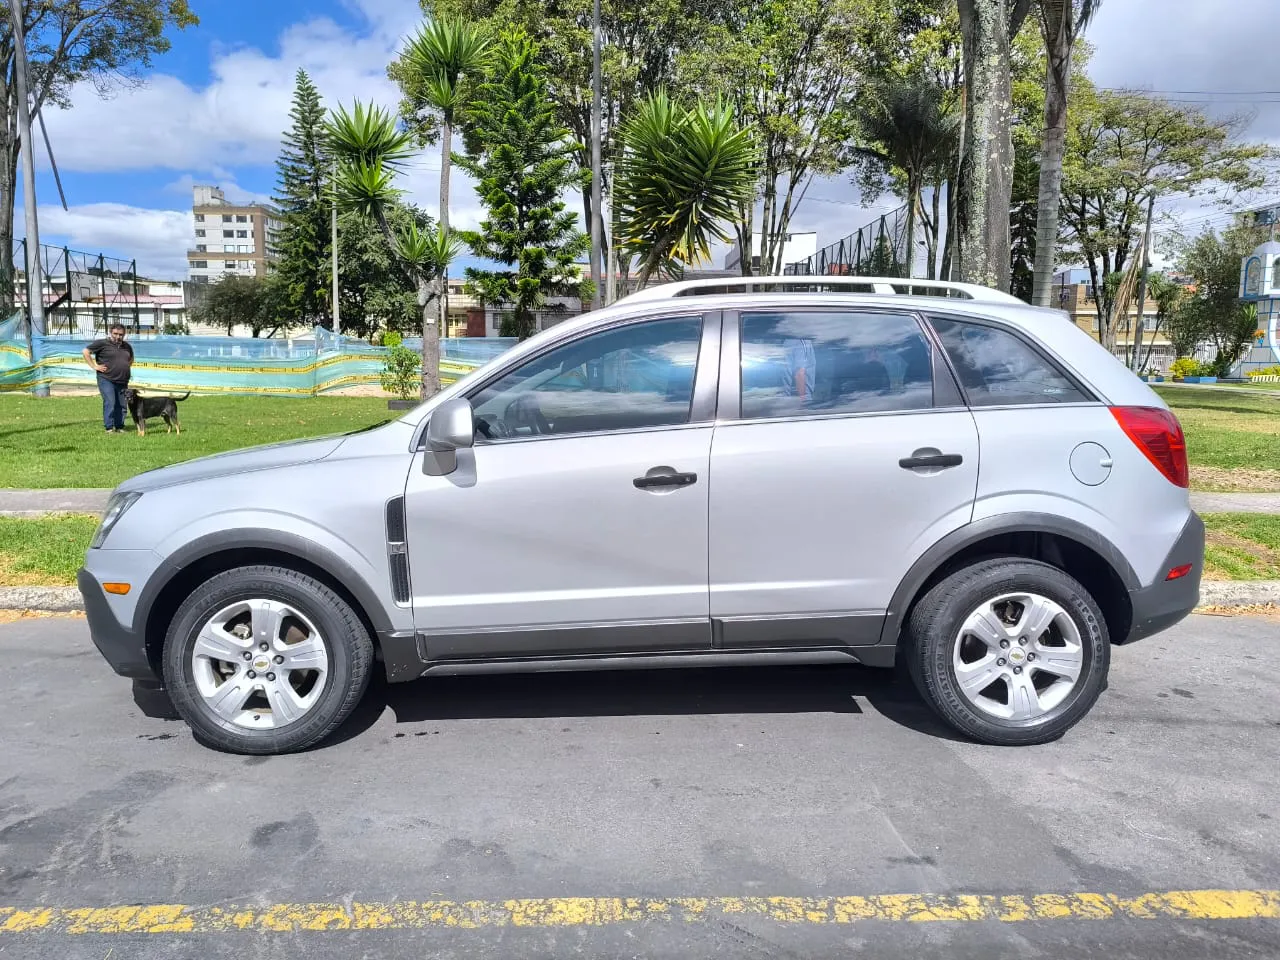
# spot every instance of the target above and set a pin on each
(640, 375)
(817, 363)
(996, 368)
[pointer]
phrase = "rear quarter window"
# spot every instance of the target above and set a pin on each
(998, 368)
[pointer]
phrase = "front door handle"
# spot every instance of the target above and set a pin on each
(936, 460)
(671, 479)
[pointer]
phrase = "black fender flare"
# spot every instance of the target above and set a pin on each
(957, 540)
(263, 539)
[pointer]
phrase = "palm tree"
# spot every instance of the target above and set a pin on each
(682, 178)
(1062, 22)
(370, 150)
(436, 61)
(907, 127)
(432, 70)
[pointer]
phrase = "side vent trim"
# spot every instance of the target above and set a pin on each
(397, 552)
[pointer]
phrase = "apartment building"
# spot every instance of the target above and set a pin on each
(229, 238)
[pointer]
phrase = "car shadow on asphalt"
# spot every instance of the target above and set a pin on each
(850, 690)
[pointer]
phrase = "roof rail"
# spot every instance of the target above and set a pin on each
(875, 285)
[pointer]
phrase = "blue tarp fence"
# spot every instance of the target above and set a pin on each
(297, 367)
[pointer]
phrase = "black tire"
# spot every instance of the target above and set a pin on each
(936, 621)
(346, 639)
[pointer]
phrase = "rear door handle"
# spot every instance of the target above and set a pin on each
(933, 460)
(665, 480)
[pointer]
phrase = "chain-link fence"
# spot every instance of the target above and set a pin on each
(82, 292)
(878, 249)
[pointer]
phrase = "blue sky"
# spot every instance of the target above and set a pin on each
(213, 108)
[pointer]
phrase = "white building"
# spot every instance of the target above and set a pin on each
(230, 238)
(1260, 285)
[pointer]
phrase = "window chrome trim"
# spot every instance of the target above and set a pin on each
(844, 415)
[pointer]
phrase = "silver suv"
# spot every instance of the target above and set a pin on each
(773, 470)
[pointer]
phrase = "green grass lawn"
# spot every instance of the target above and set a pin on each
(1242, 546)
(59, 441)
(1233, 441)
(48, 550)
(43, 551)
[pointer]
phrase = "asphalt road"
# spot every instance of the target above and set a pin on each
(737, 784)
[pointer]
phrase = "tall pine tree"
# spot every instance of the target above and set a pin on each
(521, 161)
(302, 244)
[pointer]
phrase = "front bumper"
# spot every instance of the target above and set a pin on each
(124, 649)
(1166, 602)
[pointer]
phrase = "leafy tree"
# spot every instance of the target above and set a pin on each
(1212, 260)
(1123, 148)
(643, 41)
(303, 244)
(910, 41)
(377, 292)
(788, 68)
(370, 151)
(683, 177)
(103, 42)
(236, 301)
(521, 167)
(907, 127)
(1061, 23)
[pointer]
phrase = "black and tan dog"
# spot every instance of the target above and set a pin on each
(140, 408)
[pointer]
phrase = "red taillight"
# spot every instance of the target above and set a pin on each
(1177, 573)
(1157, 433)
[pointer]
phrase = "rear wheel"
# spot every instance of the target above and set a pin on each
(1009, 651)
(265, 660)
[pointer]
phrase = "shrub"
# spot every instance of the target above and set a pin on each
(401, 371)
(1272, 371)
(1185, 367)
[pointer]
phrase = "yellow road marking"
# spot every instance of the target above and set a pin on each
(610, 911)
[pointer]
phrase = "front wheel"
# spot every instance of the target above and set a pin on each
(264, 659)
(1009, 651)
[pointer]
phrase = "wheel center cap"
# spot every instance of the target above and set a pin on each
(1017, 656)
(261, 663)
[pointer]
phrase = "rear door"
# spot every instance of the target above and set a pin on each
(842, 451)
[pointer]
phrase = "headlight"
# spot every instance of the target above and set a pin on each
(116, 506)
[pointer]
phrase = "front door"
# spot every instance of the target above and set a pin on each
(851, 453)
(578, 522)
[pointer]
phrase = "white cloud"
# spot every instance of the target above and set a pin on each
(157, 238)
(238, 118)
(220, 178)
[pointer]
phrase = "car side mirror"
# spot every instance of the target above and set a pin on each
(452, 428)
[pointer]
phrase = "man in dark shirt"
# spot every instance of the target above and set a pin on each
(112, 358)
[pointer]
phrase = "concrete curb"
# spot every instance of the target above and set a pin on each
(1213, 593)
(44, 599)
(1239, 593)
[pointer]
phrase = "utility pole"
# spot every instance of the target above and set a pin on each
(333, 244)
(1142, 286)
(35, 285)
(596, 212)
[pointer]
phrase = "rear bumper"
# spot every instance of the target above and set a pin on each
(124, 650)
(1166, 602)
